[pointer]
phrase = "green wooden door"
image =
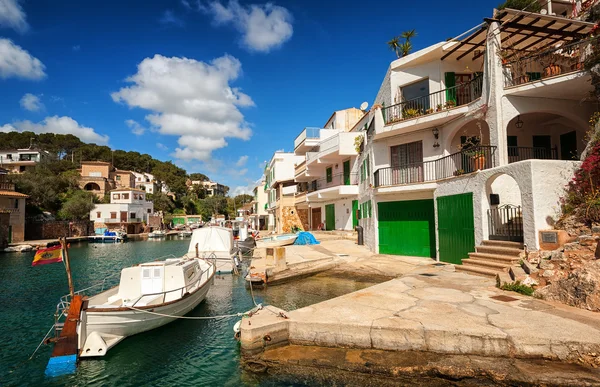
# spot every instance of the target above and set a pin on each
(354, 214)
(347, 172)
(330, 217)
(407, 228)
(456, 229)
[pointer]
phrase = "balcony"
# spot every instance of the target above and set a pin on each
(307, 139)
(330, 150)
(523, 67)
(333, 187)
(456, 164)
(437, 102)
(118, 220)
(520, 153)
(7, 187)
(10, 210)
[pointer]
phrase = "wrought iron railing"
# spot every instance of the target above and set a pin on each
(520, 153)
(524, 67)
(506, 223)
(333, 181)
(438, 101)
(456, 164)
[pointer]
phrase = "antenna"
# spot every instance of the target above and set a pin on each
(364, 106)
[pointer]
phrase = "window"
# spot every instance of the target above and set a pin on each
(98, 214)
(9, 156)
(415, 92)
(118, 177)
(149, 210)
(125, 196)
(365, 210)
(132, 215)
(135, 196)
(329, 175)
(407, 163)
(22, 168)
(117, 196)
(364, 169)
(141, 197)
(512, 143)
(95, 174)
(113, 215)
(16, 203)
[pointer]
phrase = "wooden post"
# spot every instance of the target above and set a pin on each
(197, 251)
(63, 242)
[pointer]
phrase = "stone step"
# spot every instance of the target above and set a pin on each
(509, 260)
(517, 273)
(515, 245)
(476, 270)
(509, 251)
(487, 264)
(503, 278)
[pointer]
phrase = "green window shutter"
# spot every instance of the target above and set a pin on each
(368, 167)
(329, 175)
(450, 81)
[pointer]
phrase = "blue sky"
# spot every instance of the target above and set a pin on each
(216, 87)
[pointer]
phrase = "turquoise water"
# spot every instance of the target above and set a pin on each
(185, 352)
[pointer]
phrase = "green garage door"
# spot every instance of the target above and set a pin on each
(407, 228)
(330, 217)
(456, 230)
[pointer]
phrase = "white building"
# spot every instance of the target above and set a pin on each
(475, 139)
(146, 182)
(281, 188)
(260, 218)
(21, 160)
(128, 209)
(212, 188)
(327, 176)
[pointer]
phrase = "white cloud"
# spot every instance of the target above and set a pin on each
(162, 146)
(190, 99)
(263, 27)
(31, 102)
(16, 62)
(7, 128)
(242, 161)
(135, 127)
(58, 125)
(169, 18)
(12, 16)
(243, 189)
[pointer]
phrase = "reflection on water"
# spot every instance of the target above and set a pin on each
(199, 352)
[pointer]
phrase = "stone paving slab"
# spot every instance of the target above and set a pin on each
(439, 310)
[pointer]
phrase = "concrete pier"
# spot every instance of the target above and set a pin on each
(433, 309)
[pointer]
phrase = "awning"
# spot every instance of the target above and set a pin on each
(521, 30)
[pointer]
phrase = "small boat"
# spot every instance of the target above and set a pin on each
(246, 246)
(215, 243)
(157, 234)
(108, 237)
(276, 240)
(185, 233)
(148, 296)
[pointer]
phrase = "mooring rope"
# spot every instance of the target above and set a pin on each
(241, 314)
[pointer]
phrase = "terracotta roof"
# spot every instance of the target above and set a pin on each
(95, 162)
(123, 171)
(127, 189)
(13, 194)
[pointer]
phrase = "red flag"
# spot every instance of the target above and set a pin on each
(50, 255)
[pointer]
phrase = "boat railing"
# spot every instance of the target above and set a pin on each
(183, 289)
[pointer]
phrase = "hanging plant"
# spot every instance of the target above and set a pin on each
(358, 143)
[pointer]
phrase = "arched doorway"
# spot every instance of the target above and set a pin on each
(91, 187)
(469, 147)
(504, 208)
(545, 136)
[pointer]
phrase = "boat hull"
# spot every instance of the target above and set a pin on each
(274, 242)
(101, 329)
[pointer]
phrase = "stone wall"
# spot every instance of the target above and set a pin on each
(4, 223)
(303, 216)
(56, 229)
(291, 218)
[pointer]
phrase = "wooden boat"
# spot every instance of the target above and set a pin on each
(215, 243)
(148, 296)
(276, 240)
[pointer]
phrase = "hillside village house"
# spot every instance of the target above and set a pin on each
(12, 211)
(464, 155)
(281, 188)
(101, 177)
(21, 160)
(212, 188)
(128, 210)
(146, 182)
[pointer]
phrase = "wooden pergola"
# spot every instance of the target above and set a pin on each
(521, 31)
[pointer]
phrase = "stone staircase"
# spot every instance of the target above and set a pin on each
(491, 258)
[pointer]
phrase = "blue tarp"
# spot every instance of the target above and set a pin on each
(306, 238)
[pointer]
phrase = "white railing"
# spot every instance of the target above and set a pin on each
(307, 133)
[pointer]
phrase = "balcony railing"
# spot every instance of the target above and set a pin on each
(10, 210)
(307, 133)
(449, 98)
(523, 68)
(456, 164)
(520, 153)
(118, 220)
(333, 181)
(7, 187)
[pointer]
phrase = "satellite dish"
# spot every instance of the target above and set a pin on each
(364, 106)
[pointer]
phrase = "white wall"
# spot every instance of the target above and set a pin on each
(141, 210)
(343, 213)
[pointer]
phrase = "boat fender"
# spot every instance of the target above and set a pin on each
(94, 345)
(237, 328)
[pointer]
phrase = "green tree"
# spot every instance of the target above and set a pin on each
(162, 202)
(522, 5)
(198, 177)
(403, 48)
(394, 45)
(78, 206)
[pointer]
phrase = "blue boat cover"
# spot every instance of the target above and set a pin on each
(61, 365)
(306, 238)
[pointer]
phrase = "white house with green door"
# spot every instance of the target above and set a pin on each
(474, 139)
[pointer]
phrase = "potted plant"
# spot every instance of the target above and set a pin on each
(358, 143)
(410, 113)
(429, 111)
(458, 172)
(548, 62)
(478, 157)
(439, 107)
(450, 104)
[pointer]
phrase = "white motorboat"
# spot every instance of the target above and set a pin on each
(215, 243)
(148, 296)
(157, 234)
(276, 240)
(185, 233)
(108, 237)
